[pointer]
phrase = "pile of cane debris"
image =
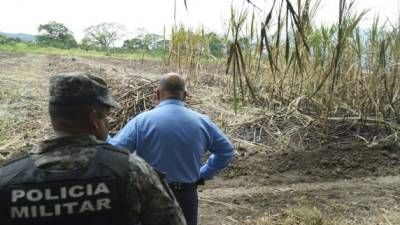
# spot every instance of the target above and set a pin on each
(293, 127)
(135, 94)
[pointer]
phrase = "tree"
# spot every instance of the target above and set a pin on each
(6, 40)
(144, 41)
(215, 44)
(133, 44)
(104, 35)
(3, 40)
(151, 40)
(163, 45)
(56, 35)
(86, 44)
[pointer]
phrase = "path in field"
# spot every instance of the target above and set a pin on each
(356, 201)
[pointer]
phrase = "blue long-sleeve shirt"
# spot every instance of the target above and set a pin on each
(173, 138)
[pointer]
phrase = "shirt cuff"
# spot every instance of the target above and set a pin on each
(108, 140)
(207, 173)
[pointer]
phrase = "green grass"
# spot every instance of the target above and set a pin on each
(34, 49)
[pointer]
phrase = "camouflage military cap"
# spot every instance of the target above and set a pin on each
(78, 88)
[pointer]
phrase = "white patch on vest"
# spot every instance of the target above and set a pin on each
(48, 206)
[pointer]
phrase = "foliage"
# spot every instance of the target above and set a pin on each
(215, 44)
(337, 66)
(146, 41)
(87, 44)
(236, 61)
(56, 35)
(24, 47)
(284, 59)
(103, 35)
(8, 41)
(188, 49)
(134, 44)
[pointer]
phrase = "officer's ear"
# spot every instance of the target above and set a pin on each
(184, 96)
(98, 116)
(98, 123)
(94, 120)
(158, 94)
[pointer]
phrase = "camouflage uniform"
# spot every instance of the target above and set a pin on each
(148, 199)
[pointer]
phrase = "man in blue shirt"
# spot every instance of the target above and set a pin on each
(172, 138)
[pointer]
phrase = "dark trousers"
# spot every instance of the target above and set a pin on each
(188, 201)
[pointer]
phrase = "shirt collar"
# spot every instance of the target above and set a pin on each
(172, 102)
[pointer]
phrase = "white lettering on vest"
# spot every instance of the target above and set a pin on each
(20, 212)
(16, 194)
(48, 195)
(70, 207)
(76, 191)
(101, 188)
(33, 211)
(48, 205)
(43, 213)
(104, 203)
(86, 206)
(89, 190)
(63, 192)
(40, 211)
(57, 209)
(34, 195)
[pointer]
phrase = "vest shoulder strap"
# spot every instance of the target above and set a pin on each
(11, 169)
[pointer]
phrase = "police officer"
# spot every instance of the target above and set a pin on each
(76, 178)
(172, 138)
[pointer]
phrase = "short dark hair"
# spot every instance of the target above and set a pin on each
(172, 83)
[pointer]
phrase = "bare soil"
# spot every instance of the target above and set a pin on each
(349, 182)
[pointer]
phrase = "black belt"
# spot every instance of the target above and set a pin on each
(177, 187)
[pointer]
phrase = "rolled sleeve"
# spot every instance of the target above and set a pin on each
(222, 153)
(127, 137)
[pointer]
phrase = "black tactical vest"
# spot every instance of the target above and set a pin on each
(91, 196)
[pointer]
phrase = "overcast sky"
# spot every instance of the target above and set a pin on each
(25, 15)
